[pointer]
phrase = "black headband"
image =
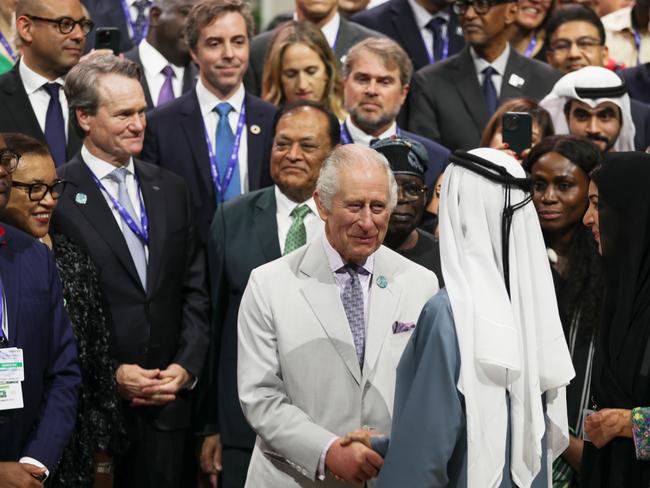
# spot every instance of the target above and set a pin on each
(602, 92)
(498, 174)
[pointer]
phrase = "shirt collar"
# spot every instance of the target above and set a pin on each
(423, 17)
(329, 30)
(208, 100)
(285, 205)
(100, 168)
(336, 261)
(499, 64)
(32, 81)
(154, 62)
(360, 137)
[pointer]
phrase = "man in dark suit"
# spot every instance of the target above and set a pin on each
(135, 221)
(423, 28)
(163, 55)
(638, 82)
(129, 16)
(247, 232)
(377, 73)
(32, 319)
(339, 32)
(186, 135)
(31, 96)
(452, 101)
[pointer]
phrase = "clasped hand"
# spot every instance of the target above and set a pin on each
(603, 425)
(352, 459)
(144, 387)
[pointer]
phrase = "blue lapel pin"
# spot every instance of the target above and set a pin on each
(81, 198)
(382, 282)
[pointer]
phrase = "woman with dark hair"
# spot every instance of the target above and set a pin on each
(560, 167)
(99, 430)
(527, 32)
(619, 430)
(300, 65)
(542, 125)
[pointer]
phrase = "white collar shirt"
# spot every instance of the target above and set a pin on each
(154, 62)
(360, 137)
(284, 206)
(499, 64)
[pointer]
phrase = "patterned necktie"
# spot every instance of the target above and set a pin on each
(166, 93)
(225, 139)
(135, 245)
(54, 125)
(297, 235)
(352, 298)
(140, 27)
(489, 90)
(435, 26)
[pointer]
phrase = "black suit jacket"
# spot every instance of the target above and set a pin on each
(168, 322)
(189, 76)
(641, 117)
(638, 82)
(108, 13)
(17, 115)
(175, 140)
(396, 20)
(446, 103)
(243, 236)
(348, 35)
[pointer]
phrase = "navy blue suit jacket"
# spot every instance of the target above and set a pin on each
(438, 154)
(38, 323)
(637, 80)
(175, 140)
(395, 19)
(641, 117)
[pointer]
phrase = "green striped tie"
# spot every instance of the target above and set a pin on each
(297, 235)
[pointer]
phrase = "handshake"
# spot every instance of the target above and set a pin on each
(351, 458)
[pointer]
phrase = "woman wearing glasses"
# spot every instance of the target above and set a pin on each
(34, 194)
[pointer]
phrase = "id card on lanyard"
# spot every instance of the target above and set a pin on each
(221, 182)
(12, 367)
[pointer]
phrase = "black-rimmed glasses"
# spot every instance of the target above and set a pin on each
(481, 7)
(37, 191)
(67, 24)
(9, 160)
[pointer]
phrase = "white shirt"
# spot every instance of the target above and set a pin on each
(499, 64)
(329, 30)
(422, 18)
(154, 62)
(38, 97)
(207, 102)
(313, 223)
(360, 137)
(101, 169)
(620, 38)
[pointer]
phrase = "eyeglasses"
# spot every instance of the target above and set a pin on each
(411, 191)
(9, 160)
(481, 7)
(563, 46)
(37, 191)
(67, 24)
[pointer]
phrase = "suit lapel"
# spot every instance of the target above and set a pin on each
(255, 142)
(192, 124)
(456, 41)
(407, 28)
(265, 224)
(466, 82)
(343, 40)
(322, 294)
(98, 214)
(19, 106)
(383, 303)
(11, 284)
(189, 77)
(155, 205)
(515, 71)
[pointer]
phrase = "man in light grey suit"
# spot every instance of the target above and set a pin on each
(321, 331)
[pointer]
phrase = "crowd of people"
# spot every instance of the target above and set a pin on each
(316, 255)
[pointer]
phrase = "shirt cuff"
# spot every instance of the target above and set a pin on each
(34, 462)
(321, 463)
(191, 384)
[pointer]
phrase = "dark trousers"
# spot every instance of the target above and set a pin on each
(235, 463)
(154, 458)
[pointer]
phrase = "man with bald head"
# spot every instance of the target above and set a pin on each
(53, 35)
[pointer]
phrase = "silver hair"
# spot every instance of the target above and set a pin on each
(357, 157)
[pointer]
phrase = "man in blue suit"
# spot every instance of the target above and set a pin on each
(377, 73)
(33, 319)
(216, 136)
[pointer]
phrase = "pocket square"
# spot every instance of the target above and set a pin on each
(402, 327)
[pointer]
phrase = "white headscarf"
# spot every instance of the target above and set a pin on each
(590, 77)
(506, 344)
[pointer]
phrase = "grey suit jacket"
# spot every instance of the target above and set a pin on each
(446, 103)
(349, 34)
(300, 384)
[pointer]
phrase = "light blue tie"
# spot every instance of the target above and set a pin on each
(225, 140)
(135, 245)
(352, 298)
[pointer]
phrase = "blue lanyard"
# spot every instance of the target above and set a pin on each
(531, 47)
(221, 184)
(141, 232)
(7, 46)
(637, 44)
(138, 35)
(445, 48)
(4, 342)
(347, 138)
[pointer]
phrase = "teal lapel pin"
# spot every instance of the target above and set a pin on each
(382, 282)
(81, 198)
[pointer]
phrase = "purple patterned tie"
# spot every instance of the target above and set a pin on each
(166, 90)
(352, 298)
(54, 125)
